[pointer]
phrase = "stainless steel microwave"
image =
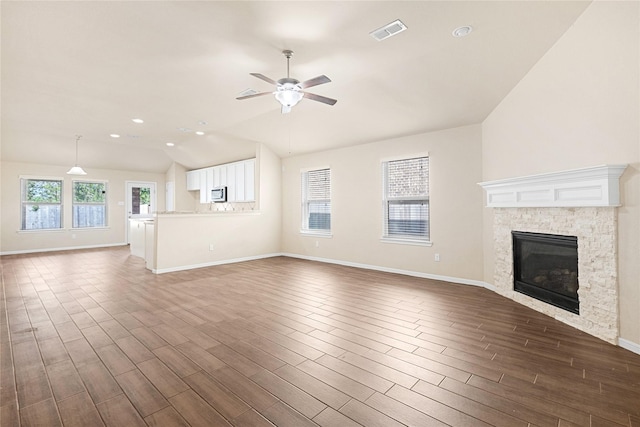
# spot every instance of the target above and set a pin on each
(219, 194)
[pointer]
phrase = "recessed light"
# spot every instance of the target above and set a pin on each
(199, 132)
(137, 120)
(170, 144)
(114, 135)
(462, 31)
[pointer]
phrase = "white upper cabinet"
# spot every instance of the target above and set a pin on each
(238, 177)
(193, 180)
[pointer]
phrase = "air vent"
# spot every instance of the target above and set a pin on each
(388, 30)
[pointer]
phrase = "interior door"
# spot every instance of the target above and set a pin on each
(141, 201)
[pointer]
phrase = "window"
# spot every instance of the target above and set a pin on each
(316, 201)
(406, 199)
(41, 204)
(89, 204)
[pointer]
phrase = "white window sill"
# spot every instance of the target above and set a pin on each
(42, 230)
(405, 241)
(324, 234)
(89, 229)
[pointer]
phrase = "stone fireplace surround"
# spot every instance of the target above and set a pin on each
(582, 203)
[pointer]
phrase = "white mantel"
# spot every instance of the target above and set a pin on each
(586, 187)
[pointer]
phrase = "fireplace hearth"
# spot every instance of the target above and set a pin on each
(545, 267)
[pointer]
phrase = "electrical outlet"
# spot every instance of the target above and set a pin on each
(317, 244)
(437, 257)
(210, 246)
(73, 236)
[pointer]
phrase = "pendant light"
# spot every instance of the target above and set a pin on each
(76, 170)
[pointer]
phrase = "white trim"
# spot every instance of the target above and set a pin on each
(324, 234)
(42, 230)
(586, 187)
(213, 263)
(71, 248)
(406, 241)
(629, 345)
(420, 274)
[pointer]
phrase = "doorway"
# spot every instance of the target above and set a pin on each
(141, 201)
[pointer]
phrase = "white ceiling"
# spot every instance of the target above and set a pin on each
(90, 67)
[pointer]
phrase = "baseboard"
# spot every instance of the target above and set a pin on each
(420, 274)
(629, 345)
(213, 263)
(72, 248)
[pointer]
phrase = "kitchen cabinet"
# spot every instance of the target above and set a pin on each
(193, 180)
(238, 177)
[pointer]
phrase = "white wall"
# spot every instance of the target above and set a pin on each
(184, 201)
(356, 205)
(183, 241)
(12, 240)
(579, 107)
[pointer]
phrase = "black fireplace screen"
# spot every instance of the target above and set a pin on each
(545, 267)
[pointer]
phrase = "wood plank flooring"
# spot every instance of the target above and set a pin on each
(91, 338)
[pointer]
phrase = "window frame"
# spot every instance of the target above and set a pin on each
(23, 202)
(104, 203)
(407, 238)
(306, 202)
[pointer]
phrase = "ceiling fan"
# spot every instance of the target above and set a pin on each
(289, 91)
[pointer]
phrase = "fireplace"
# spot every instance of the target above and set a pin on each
(545, 267)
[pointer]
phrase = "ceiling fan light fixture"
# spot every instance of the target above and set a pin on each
(288, 96)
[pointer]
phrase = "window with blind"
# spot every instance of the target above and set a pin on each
(316, 201)
(89, 204)
(406, 199)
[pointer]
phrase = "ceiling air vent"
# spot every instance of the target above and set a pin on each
(388, 30)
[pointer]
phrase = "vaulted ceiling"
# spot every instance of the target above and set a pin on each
(88, 68)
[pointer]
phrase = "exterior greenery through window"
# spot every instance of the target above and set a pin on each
(316, 200)
(41, 204)
(406, 199)
(89, 204)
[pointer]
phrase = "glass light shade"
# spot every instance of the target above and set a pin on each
(76, 170)
(288, 97)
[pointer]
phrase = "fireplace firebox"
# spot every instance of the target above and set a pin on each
(545, 267)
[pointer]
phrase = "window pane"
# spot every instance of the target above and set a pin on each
(38, 217)
(319, 215)
(406, 198)
(319, 184)
(89, 204)
(43, 191)
(408, 178)
(316, 200)
(88, 216)
(408, 218)
(89, 192)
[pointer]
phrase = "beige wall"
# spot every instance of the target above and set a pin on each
(183, 241)
(579, 107)
(356, 205)
(11, 240)
(184, 201)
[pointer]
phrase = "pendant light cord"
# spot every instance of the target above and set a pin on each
(77, 139)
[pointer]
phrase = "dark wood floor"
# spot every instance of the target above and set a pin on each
(92, 338)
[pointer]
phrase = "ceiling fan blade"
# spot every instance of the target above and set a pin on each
(315, 81)
(319, 98)
(254, 95)
(265, 78)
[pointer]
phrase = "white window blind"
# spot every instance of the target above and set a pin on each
(406, 198)
(316, 200)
